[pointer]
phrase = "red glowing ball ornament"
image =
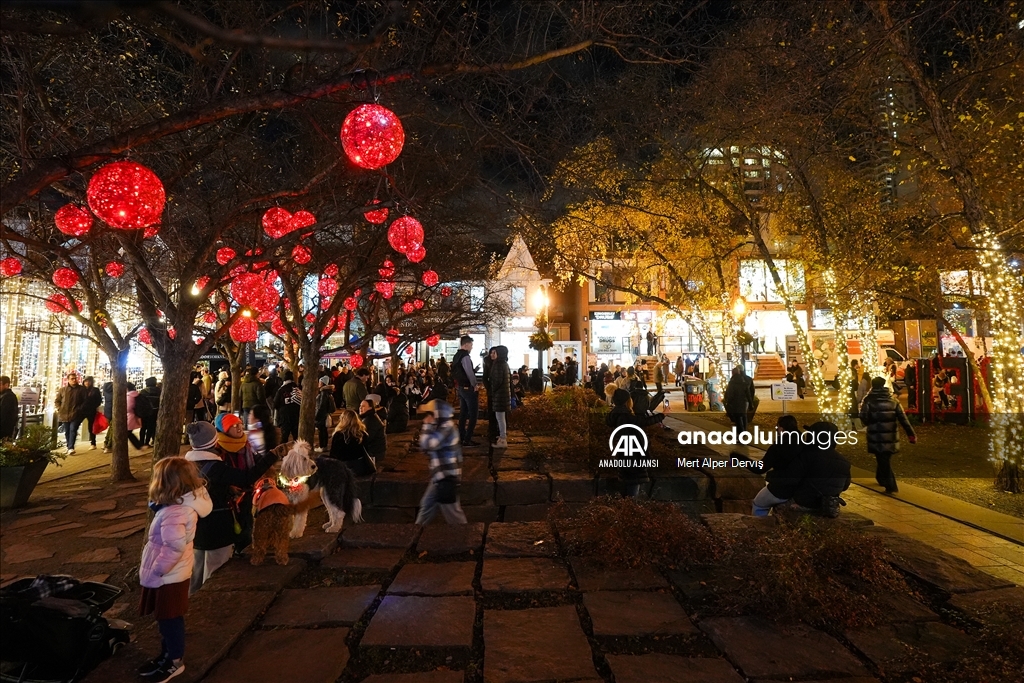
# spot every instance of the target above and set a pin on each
(277, 327)
(408, 350)
(114, 269)
(429, 278)
(267, 316)
(172, 333)
(126, 195)
(350, 303)
(278, 222)
(10, 267)
(222, 307)
(65, 278)
(417, 304)
(209, 317)
(392, 336)
(58, 303)
(201, 283)
(301, 255)
(151, 232)
(73, 220)
(332, 271)
(387, 269)
(247, 289)
(356, 361)
(446, 291)
(258, 265)
(310, 318)
(244, 330)
(377, 216)
(327, 287)
(372, 136)
(416, 254)
(405, 234)
(145, 337)
(224, 255)
(386, 289)
(433, 340)
(408, 308)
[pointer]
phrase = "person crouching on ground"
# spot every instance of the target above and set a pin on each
(827, 473)
(621, 414)
(440, 439)
(883, 415)
(178, 499)
(215, 533)
(785, 466)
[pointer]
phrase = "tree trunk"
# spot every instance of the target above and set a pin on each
(307, 410)
(173, 397)
(235, 363)
(120, 467)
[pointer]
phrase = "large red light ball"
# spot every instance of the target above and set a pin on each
(114, 269)
(356, 361)
(10, 267)
(126, 195)
(392, 336)
(275, 222)
(350, 303)
(248, 289)
(429, 278)
(145, 337)
(405, 234)
(244, 330)
(433, 340)
(224, 255)
(301, 255)
(58, 303)
(73, 220)
(377, 216)
(65, 278)
(277, 327)
(416, 254)
(408, 308)
(372, 136)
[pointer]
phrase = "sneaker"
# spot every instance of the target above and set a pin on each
(152, 666)
(167, 671)
(71, 451)
(470, 443)
(106, 450)
(501, 443)
(92, 447)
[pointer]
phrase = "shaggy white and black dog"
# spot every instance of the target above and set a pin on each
(300, 475)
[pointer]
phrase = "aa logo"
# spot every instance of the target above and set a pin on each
(628, 441)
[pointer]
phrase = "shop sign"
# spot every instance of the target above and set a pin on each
(27, 396)
(605, 315)
(608, 345)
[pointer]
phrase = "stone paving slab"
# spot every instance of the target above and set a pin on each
(42, 508)
(56, 529)
(380, 536)
(382, 560)
(215, 622)
(890, 647)
(28, 521)
(122, 530)
(445, 578)
(310, 656)
(572, 488)
(439, 539)
(990, 606)
(98, 506)
(398, 489)
(239, 575)
(520, 539)
(389, 515)
(19, 553)
(477, 487)
(672, 669)
(524, 646)
(316, 606)
(483, 514)
(633, 613)
(764, 650)
(517, 487)
(735, 484)
(425, 677)
(898, 607)
(524, 575)
(680, 485)
(412, 622)
(594, 577)
(313, 545)
(96, 555)
(537, 512)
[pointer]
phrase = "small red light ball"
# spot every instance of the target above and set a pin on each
(224, 255)
(144, 336)
(416, 254)
(10, 266)
(392, 336)
(73, 220)
(327, 287)
(277, 327)
(350, 303)
(408, 350)
(387, 269)
(408, 308)
(126, 195)
(377, 216)
(356, 361)
(332, 271)
(209, 317)
(433, 340)
(114, 269)
(65, 278)
(417, 304)
(372, 136)
(429, 278)
(301, 255)
(446, 291)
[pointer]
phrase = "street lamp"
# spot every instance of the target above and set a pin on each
(739, 312)
(541, 302)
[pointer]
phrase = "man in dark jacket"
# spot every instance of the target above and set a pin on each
(785, 464)
(253, 394)
(325, 407)
(464, 376)
(499, 392)
(287, 403)
(271, 385)
(70, 405)
(8, 409)
(883, 416)
(355, 389)
(375, 442)
(93, 401)
(739, 398)
(147, 406)
(621, 414)
(827, 472)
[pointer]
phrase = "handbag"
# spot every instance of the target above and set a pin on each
(99, 423)
(447, 490)
(329, 422)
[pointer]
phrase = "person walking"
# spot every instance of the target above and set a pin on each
(910, 380)
(464, 376)
(147, 407)
(252, 393)
(439, 438)
(679, 370)
(93, 401)
(660, 368)
(325, 407)
(500, 391)
(739, 398)
(376, 441)
(287, 403)
(178, 498)
(623, 413)
(222, 392)
(8, 409)
(883, 415)
(70, 405)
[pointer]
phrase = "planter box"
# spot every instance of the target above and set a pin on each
(17, 483)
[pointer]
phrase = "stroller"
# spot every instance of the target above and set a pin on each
(54, 631)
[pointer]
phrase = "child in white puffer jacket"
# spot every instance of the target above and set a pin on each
(178, 497)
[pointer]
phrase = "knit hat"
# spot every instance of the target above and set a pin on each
(877, 382)
(325, 380)
(620, 397)
(202, 435)
(374, 399)
(225, 421)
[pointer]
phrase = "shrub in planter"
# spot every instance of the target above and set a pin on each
(22, 463)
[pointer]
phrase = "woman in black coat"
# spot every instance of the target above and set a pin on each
(739, 398)
(499, 392)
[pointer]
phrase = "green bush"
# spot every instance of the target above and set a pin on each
(35, 442)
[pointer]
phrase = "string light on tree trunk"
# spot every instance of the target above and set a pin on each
(126, 195)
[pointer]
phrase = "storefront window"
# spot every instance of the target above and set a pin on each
(756, 283)
(519, 299)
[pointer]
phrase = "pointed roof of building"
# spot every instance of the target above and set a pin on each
(519, 264)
